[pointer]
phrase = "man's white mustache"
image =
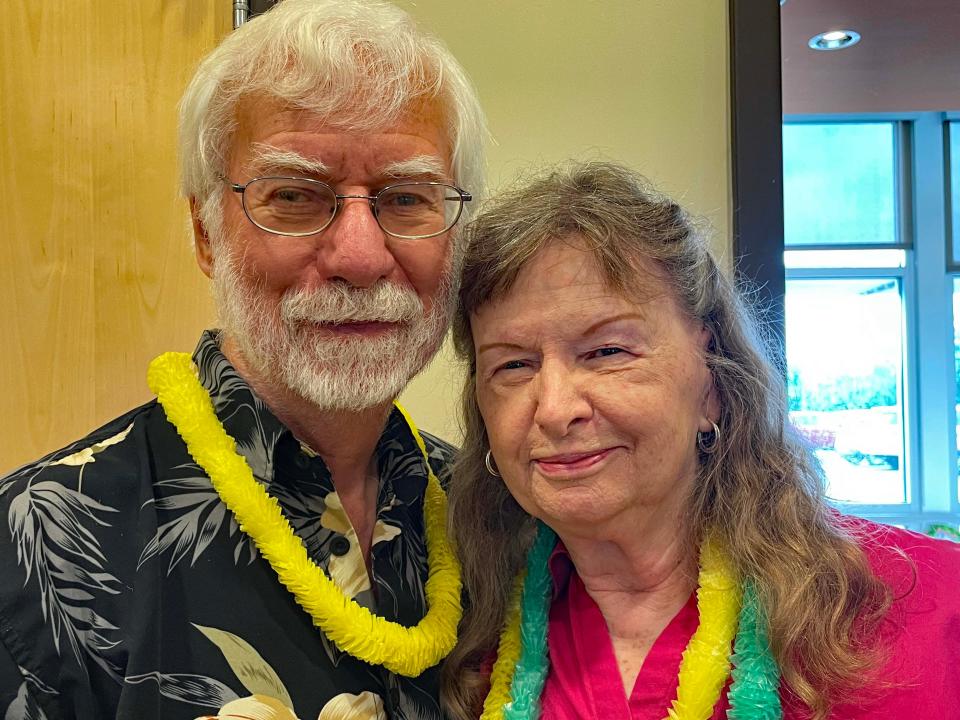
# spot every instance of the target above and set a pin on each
(382, 302)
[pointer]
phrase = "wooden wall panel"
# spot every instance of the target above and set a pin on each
(96, 270)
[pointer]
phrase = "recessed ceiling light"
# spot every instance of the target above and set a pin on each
(834, 40)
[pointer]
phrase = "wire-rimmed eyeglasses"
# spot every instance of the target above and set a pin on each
(297, 207)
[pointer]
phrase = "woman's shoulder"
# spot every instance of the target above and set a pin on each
(881, 542)
(920, 633)
(916, 567)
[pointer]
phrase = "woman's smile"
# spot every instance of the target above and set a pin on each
(573, 464)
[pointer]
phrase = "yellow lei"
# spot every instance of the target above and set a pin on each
(706, 659)
(508, 652)
(353, 628)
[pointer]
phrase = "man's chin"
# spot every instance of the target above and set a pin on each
(355, 372)
(343, 366)
(332, 389)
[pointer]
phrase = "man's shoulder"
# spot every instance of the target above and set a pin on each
(440, 453)
(108, 454)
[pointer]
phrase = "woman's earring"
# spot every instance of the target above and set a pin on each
(491, 466)
(707, 442)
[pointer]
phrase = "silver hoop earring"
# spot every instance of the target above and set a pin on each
(491, 466)
(709, 442)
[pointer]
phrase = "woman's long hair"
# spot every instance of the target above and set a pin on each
(760, 493)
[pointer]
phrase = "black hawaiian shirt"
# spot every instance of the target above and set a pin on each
(127, 589)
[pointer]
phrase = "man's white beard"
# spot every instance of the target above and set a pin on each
(346, 372)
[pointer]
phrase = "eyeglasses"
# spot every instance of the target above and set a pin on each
(300, 206)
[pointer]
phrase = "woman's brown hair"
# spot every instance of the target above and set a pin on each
(760, 493)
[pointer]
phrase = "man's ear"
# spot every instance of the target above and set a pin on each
(201, 240)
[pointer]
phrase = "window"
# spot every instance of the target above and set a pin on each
(839, 184)
(848, 400)
(873, 312)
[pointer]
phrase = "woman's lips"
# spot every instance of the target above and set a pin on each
(571, 463)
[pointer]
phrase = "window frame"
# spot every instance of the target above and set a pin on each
(953, 248)
(922, 207)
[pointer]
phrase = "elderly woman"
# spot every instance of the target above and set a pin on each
(642, 534)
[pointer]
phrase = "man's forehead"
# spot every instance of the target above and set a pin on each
(260, 117)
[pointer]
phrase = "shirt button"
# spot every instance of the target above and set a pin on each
(339, 546)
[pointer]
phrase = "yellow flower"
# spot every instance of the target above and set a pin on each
(254, 707)
(82, 457)
(365, 706)
(348, 571)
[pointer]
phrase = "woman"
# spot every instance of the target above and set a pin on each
(620, 397)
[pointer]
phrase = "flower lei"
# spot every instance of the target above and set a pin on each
(520, 670)
(403, 650)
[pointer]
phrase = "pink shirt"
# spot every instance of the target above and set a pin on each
(922, 630)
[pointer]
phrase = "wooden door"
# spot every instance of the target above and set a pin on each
(96, 268)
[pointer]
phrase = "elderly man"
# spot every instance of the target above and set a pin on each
(267, 538)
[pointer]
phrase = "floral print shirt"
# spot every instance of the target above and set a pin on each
(127, 589)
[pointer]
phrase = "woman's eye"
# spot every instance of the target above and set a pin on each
(606, 351)
(513, 365)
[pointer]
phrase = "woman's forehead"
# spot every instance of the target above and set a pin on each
(573, 263)
(564, 284)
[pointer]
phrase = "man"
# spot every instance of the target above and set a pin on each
(177, 563)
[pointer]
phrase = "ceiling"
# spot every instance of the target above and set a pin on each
(908, 58)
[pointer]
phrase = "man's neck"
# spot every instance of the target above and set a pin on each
(346, 440)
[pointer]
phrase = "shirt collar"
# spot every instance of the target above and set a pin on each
(245, 417)
(561, 568)
(260, 435)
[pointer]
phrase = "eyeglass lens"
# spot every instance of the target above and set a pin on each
(300, 206)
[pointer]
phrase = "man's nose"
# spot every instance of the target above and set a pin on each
(354, 248)
(562, 400)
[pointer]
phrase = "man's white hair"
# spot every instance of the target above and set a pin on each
(358, 64)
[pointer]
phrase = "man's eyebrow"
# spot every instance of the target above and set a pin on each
(267, 158)
(421, 167)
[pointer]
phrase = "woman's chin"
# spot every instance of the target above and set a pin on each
(574, 512)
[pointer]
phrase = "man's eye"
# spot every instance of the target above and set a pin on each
(405, 199)
(290, 195)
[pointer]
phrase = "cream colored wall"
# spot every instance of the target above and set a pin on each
(96, 275)
(644, 82)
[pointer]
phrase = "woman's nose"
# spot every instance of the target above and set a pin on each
(562, 400)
